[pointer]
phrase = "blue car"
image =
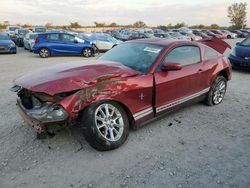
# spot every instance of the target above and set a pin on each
(61, 43)
(240, 56)
(6, 44)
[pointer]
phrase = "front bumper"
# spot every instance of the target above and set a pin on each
(7, 49)
(39, 124)
(238, 62)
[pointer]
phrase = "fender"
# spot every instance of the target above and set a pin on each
(223, 68)
(106, 90)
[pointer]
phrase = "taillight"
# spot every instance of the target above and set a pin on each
(37, 40)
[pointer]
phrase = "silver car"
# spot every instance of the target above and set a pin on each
(29, 41)
(177, 35)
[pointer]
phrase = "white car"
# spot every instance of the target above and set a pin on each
(106, 43)
(177, 35)
(29, 41)
(192, 36)
(103, 42)
(230, 35)
(10, 30)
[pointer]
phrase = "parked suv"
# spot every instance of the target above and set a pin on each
(56, 43)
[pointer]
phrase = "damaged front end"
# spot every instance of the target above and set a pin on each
(40, 110)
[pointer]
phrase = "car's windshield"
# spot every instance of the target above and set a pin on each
(4, 37)
(13, 28)
(40, 30)
(22, 31)
(245, 42)
(137, 56)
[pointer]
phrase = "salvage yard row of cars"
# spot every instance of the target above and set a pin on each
(48, 43)
(55, 42)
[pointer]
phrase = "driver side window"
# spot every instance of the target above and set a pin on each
(185, 55)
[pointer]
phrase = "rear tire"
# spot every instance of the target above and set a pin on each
(87, 52)
(44, 52)
(105, 125)
(217, 91)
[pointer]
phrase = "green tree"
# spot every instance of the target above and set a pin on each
(139, 24)
(238, 15)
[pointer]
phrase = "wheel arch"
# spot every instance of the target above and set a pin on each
(124, 106)
(88, 47)
(224, 73)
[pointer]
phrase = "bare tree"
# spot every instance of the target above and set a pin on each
(74, 25)
(238, 15)
(139, 24)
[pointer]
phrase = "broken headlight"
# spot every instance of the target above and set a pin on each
(48, 112)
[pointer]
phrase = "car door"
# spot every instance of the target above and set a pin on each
(176, 87)
(69, 44)
(54, 43)
(103, 44)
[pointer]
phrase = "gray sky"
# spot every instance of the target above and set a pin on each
(152, 12)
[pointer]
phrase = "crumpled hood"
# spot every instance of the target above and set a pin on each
(72, 76)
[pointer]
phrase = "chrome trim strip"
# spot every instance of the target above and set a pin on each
(143, 113)
(180, 101)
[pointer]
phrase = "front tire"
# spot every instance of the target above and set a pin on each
(105, 125)
(44, 52)
(217, 91)
(87, 52)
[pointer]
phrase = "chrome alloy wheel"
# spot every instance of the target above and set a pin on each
(109, 122)
(87, 52)
(44, 53)
(219, 92)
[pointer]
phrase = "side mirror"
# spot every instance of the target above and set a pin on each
(237, 43)
(75, 41)
(170, 66)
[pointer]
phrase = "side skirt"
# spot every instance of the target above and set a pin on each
(169, 111)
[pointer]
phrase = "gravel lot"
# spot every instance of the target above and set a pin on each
(196, 147)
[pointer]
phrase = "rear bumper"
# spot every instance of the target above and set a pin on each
(36, 124)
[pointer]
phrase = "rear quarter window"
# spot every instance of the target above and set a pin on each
(210, 53)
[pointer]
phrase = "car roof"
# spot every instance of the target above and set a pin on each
(162, 42)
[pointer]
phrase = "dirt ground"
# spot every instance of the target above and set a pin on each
(196, 147)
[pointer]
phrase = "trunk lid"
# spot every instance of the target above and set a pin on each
(216, 43)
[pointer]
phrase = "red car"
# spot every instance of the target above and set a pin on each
(127, 86)
(220, 34)
(200, 34)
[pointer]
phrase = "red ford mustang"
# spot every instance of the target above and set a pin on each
(127, 86)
